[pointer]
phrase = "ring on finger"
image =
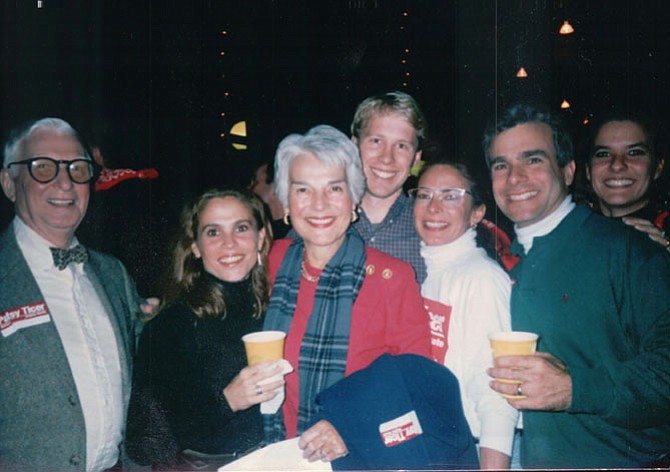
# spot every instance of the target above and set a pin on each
(259, 390)
(519, 390)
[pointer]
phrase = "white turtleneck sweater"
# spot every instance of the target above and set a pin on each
(545, 226)
(462, 276)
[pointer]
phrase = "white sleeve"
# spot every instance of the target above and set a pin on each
(481, 297)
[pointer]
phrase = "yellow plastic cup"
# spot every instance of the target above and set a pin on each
(513, 343)
(264, 346)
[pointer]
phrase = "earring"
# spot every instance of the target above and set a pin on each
(286, 222)
(354, 216)
(260, 260)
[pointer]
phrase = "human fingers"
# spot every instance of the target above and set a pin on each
(311, 442)
(322, 442)
(330, 444)
(655, 234)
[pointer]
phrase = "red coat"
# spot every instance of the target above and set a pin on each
(388, 317)
(388, 314)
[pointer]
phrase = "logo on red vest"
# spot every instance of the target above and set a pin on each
(14, 319)
(401, 429)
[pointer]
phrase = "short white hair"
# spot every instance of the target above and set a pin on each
(328, 145)
(14, 144)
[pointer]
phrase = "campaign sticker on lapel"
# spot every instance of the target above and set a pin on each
(24, 316)
(401, 429)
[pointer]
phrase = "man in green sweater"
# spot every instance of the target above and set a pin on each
(597, 393)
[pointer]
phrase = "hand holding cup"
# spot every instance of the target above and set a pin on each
(513, 343)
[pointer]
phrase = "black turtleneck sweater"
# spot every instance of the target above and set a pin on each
(184, 362)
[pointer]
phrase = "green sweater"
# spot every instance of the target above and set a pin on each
(598, 294)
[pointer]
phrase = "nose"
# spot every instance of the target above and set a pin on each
(516, 174)
(434, 205)
(319, 200)
(63, 180)
(618, 162)
(228, 239)
(387, 154)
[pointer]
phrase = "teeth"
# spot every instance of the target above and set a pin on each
(435, 224)
(618, 182)
(58, 202)
(383, 174)
(522, 196)
(230, 259)
(321, 221)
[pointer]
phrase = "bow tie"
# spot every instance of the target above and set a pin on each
(62, 257)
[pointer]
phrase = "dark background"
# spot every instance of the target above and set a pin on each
(160, 83)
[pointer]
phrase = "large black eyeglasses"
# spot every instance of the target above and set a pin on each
(45, 169)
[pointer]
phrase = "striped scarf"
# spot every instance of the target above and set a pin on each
(323, 353)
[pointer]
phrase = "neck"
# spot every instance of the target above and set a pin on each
(58, 239)
(319, 256)
(623, 210)
(376, 208)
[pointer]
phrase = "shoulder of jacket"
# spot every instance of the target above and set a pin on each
(386, 268)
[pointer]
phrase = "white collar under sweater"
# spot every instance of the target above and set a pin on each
(545, 226)
(437, 256)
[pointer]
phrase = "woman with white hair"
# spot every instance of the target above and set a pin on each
(342, 304)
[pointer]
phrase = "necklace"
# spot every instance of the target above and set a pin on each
(306, 275)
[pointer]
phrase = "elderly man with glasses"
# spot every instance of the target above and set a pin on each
(68, 315)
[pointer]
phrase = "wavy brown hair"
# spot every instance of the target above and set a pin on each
(186, 276)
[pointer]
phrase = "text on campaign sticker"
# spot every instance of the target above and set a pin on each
(22, 317)
(401, 429)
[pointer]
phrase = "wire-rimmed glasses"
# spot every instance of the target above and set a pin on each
(445, 196)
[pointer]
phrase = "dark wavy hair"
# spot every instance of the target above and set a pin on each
(523, 113)
(186, 276)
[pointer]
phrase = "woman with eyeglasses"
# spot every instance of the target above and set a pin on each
(468, 295)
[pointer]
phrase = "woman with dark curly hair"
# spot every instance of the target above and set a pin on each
(192, 389)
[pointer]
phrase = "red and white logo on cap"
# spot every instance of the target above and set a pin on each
(401, 429)
(22, 317)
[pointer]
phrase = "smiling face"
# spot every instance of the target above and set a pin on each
(227, 239)
(53, 210)
(388, 148)
(620, 168)
(528, 184)
(440, 223)
(319, 205)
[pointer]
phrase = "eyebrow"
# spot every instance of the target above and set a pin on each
(534, 152)
(330, 182)
(235, 223)
(640, 144)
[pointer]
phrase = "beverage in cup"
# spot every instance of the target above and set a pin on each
(513, 343)
(264, 346)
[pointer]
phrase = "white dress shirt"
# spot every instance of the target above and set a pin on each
(88, 338)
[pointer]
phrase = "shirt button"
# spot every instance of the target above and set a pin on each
(75, 460)
(372, 239)
(71, 400)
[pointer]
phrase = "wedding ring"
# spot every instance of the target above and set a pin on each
(518, 390)
(259, 390)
